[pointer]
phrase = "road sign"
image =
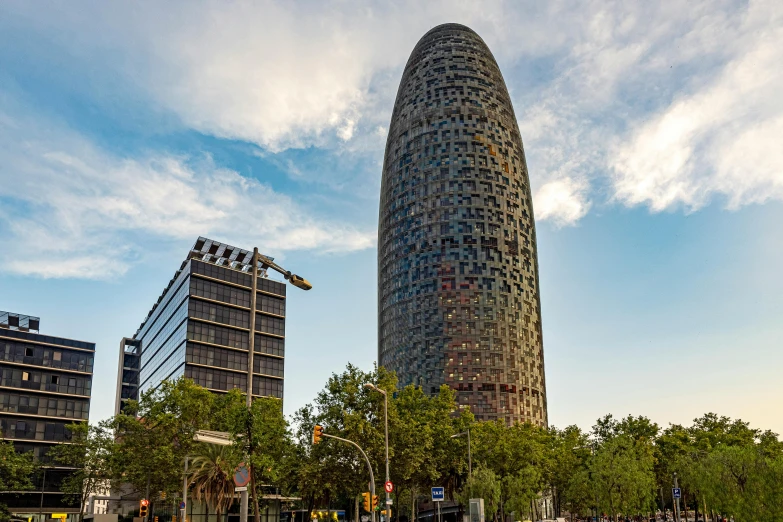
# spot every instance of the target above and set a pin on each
(182, 505)
(389, 502)
(240, 488)
(389, 487)
(676, 493)
(241, 475)
(438, 495)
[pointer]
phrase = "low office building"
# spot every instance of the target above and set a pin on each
(201, 328)
(45, 385)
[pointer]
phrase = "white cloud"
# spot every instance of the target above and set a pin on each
(723, 139)
(597, 85)
(563, 201)
(78, 208)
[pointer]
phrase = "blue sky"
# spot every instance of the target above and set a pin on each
(652, 133)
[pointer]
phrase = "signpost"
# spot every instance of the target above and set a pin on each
(241, 476)
(389, 487)
(438, 496)
(676, 493)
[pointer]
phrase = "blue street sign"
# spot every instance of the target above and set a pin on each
(676, 493)
(182, 505)
(438, 494)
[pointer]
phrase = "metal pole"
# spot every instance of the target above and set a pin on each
(369, 468)
(676, 502)
(244, 499)
(470, 464)
(439, 517)
(185, 491)
(386, 421)
(43, 487)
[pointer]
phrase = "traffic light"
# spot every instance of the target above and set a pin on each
(144, 507)
(375, 501)
(366, 497)
(317, 433)
(156, 518)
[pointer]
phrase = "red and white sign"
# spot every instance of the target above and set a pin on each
(389, 487)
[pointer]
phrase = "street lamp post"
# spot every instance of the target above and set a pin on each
(386, 429)
(260, 261)
(470, 464)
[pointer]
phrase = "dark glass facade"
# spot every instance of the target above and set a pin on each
(458, 294)
(45, 385)
(201, 328)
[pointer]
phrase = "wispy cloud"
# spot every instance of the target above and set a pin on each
(642, 103)
(721, 139)
(73, 210)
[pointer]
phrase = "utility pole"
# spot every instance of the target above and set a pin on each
(316, 437)
(244, 497)
(386, 430)
(676, 501)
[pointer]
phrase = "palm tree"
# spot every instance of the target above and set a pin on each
(211, 477)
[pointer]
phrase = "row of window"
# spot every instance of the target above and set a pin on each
(268, 366)
(271, 286)
(267, 387)
(270, 304)
(269, 345)
(216, 379)
(213, 334)
(33, 429)
(54, 407)
(48, 339)
(26, 353)
(217, 292)
(212, 356)
(219, 313)
(269, 324)
(18, 378)
(222, 273)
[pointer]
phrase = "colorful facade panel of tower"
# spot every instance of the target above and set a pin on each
(458, 293)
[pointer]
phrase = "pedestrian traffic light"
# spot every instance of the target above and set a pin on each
(366, 497)
(144, 506)
(375, 501)
(318, 432)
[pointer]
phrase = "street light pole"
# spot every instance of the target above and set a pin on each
(470, 464)
(369, 468)
(386, 424)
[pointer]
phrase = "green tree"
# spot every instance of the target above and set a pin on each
(156, 434)
(622, 468)
(88, 453)
(211, 476)
(261, 437)
(15, 471)
(484, 484)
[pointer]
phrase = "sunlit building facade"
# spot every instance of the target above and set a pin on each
(45, 385)
(201, 328)
(458, 291)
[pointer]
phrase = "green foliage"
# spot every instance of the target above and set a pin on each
(15, 471)
(261, 438)
(89, 452)
(156, 435)
(482, 484)
(621, 466)
(211, 476)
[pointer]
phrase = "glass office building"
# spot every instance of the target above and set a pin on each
(45, 385)
(201, 327)
(458, 293)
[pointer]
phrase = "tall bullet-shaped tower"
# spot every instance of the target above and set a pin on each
(458, 294)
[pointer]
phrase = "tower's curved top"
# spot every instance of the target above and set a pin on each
(458, 296)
